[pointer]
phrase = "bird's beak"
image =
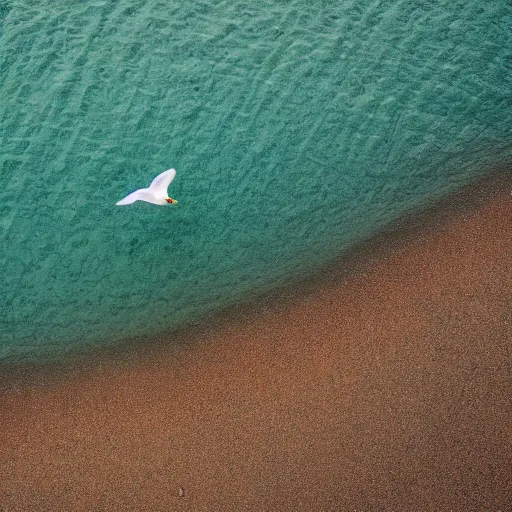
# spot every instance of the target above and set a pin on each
(171, 201)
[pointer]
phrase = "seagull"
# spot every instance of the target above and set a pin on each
(156, 193)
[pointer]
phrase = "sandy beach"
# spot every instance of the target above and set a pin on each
(382, 384)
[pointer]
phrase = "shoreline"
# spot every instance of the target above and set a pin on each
(405, 232)
(380, 382)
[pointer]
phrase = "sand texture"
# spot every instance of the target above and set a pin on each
(388, 388)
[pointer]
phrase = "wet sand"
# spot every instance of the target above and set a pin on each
(386, 386)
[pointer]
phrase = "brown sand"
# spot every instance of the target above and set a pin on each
(389, 389)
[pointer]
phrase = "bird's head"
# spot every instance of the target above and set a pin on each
(171, 201)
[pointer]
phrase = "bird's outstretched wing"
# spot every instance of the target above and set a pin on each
(139, 195)
(160, 184)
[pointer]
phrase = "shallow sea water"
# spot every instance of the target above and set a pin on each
(297, 129)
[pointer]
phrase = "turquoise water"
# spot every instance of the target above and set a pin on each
(297, 129)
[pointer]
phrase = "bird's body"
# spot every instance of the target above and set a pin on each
(156, 193)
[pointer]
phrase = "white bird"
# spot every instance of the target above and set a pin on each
(156, 193)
